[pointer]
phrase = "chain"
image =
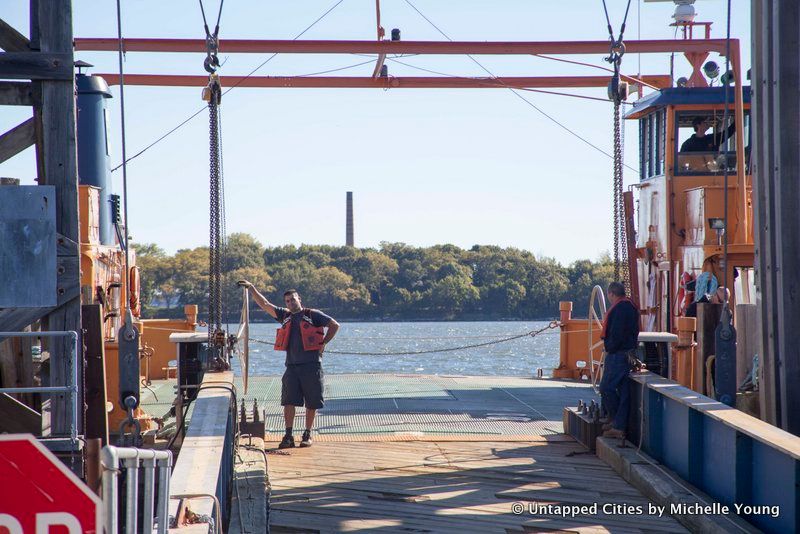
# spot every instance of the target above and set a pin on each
(532, 333)
(626, 275)
(617, 197)
(621, 271)
(617, 93)
(215, 244)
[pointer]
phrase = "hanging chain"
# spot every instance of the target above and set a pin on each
(618, 92)
(626, 275)
(216, 336)
(617, 196)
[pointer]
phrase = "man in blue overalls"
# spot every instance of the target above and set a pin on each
(620, 337)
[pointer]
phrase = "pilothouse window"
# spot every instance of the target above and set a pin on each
(706, 142)
(651, 144)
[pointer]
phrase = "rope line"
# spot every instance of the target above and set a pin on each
(532, 333)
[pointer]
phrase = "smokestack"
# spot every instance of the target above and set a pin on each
(349, 238)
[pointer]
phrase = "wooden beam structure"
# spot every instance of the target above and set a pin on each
(17, 139)
(46, 62)
(776, 199)
(16, 94)
(11, 40)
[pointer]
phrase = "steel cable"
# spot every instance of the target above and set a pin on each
(532, 333)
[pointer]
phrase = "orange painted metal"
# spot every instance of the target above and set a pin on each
(402, 82)
(232, 46)
(574, 346)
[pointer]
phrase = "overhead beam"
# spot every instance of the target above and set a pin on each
(17, 139)
(16, 94)
(36, 66)
(11, 40)
(402, 82)
(232, 46)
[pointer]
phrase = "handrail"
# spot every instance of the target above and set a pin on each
(71, 389)
(596, 368)
(150, 459)
(243, 337)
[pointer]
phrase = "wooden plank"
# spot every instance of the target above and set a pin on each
(8, 368)
(16, 418)
(65, 246)
(51, 33)
(707, 321)
(16, 94)
(746, 341)
(410, 486)
(198, 466)
(11, 40)
(96, 414)
(36, 66)
(16, 140)
(24, 363)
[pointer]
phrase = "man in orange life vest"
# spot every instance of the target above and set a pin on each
(301, 336)
(620, 337)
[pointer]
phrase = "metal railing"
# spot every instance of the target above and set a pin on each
(70, 389)
(132, 460)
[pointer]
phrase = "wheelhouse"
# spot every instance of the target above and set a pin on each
(688, 144)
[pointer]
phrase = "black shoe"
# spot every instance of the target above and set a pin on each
(287, 442)
(307, 441)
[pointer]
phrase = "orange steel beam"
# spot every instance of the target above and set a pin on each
(232, 46)
(429, 82)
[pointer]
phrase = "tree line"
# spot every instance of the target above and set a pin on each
(395, 281)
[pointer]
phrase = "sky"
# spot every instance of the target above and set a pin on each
(463, 166)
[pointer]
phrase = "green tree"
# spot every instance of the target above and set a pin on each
(156, 276)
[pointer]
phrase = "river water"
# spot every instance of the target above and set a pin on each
(520, 357)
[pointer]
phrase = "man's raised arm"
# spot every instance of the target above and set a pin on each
(259, 299)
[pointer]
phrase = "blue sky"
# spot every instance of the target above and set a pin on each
(472, 166)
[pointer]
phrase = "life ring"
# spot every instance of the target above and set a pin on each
(135, 292)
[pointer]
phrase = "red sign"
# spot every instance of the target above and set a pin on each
(39, 494)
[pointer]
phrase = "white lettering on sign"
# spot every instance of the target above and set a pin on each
(57, 519)
(10, 522)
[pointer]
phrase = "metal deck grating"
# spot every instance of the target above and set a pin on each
(385, 407)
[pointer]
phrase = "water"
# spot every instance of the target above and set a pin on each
(520, 357)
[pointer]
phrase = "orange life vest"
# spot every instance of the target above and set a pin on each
(311, 335)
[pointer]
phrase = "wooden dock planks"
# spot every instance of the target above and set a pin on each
(446, 487)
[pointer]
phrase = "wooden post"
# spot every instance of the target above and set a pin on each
(707, 321)
(51, 32)
(23, 359)
(8, 369)
(94, 469)
(776, 201)
(745, 340)
(96, 413)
